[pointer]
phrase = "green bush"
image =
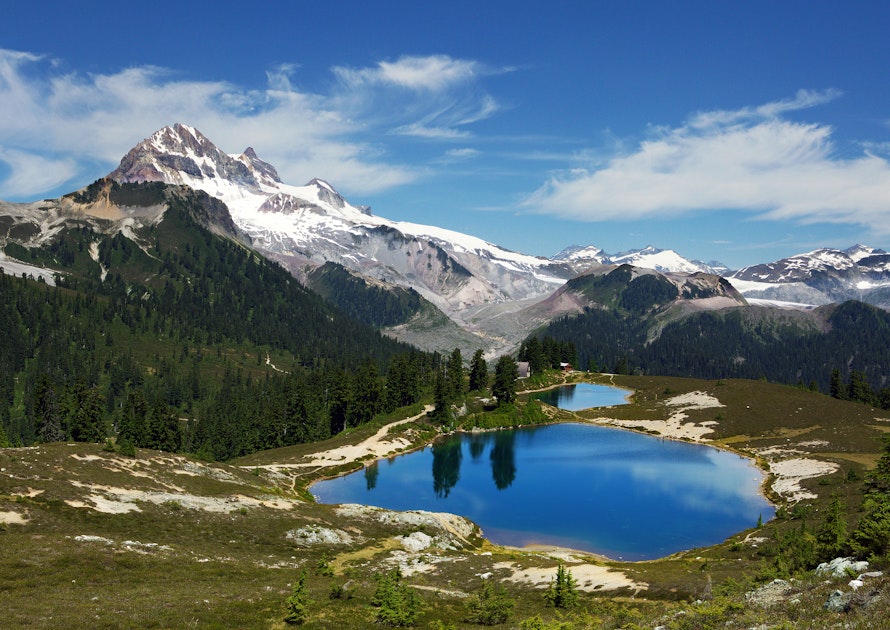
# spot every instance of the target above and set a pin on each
(490, 606)
(397, 604)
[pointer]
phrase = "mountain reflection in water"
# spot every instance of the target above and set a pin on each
(603, 490)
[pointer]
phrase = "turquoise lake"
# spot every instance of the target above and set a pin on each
(617, 493)
(583, 396)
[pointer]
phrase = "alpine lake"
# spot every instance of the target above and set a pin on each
(624, 495)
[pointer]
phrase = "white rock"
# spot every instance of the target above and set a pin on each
(416, 541)
(842, 567)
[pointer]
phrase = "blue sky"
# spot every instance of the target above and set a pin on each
(733, 131)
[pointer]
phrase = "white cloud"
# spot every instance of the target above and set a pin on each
(750, 159)
(55, 128)
(29, 171)
(437, 95)
(432, 73)
(457, 155)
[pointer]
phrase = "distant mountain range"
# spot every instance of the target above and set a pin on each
(820, 277)
(491, 297)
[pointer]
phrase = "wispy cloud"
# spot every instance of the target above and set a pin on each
(433, 73)
(58, 128)
(438, 95)
(28, 171)
(460, 155)
(750, 159)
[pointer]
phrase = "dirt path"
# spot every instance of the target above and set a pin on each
(376, 446)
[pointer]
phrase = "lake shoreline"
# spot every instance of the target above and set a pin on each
(399, 494)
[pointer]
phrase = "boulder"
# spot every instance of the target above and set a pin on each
(838, 601)
(842, 567)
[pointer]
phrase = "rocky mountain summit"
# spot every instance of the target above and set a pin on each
(820, 277)
(305, 226)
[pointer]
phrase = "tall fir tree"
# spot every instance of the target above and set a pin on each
(505, 375)
(478, 372)
(455, 375)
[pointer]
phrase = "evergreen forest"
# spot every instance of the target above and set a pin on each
(192, 342)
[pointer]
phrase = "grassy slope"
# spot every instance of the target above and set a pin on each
(234, 567)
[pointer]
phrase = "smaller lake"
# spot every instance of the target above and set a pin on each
(582, 396)
(617, 493)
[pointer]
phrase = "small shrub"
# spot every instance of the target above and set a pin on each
(339, 591)
(397, 604)
(323, 568)
(490, 606)
(126, 447)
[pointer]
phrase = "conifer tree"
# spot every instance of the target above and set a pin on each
(478, 372)
(49, 416)
(563, 590)
(489, 606)
(4, 441)
(83, 411)
(505, 374)
(832, 533)
(397, 604)
(298, 602)
(455, 375)
(441, 400)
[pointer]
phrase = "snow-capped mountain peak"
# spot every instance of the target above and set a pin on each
(858, 252)
(582, 258)
(183, 155)
(580, 253)
(818, 277)
(314, 224)
(251, 160)
(665, 260)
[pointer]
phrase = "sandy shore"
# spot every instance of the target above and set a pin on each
(675, 427)
(590, 577)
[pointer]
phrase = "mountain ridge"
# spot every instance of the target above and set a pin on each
(489, 294)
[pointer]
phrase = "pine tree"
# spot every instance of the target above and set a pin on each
(298, 602)
(397, 604)
(132, 420)
(534, 354)
(836, 388)
(872, 534)
(455, 375)
(49, 416)
(441, 400)
(478, 372)
(489, 606)
(832, 533)
(563, 590)
(860, 390)
(4, 441)
(83, 411)
(505, 375)
(163, 429)
(366, 395)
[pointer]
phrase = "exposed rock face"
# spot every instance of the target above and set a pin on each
(314, 224)
(181, 154)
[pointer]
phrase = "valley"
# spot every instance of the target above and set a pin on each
(167, 540)
(189, 343)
